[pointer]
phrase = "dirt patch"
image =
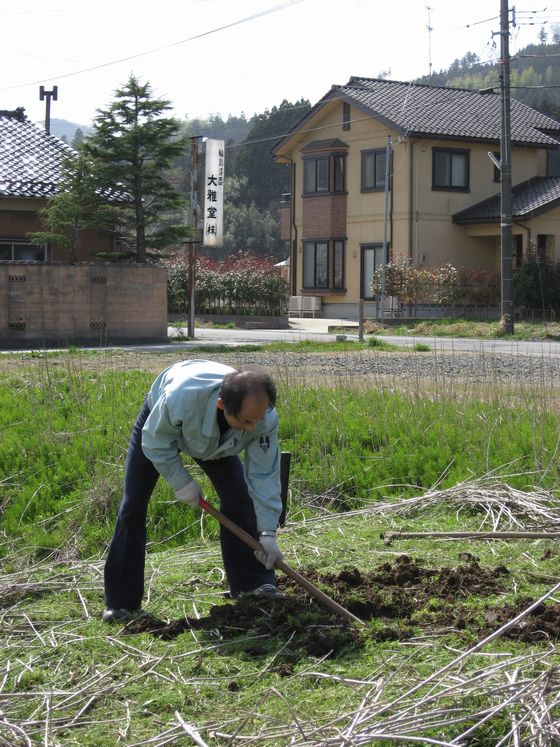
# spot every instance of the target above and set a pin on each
(403, 598)
(298, 626)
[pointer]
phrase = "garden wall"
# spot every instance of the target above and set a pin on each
(56, 305)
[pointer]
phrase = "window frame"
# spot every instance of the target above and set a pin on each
(553, 162)
(334, 264)
(449, 187)
(497, 171)
(333, 185)
(376, 247)
(375, 152)
(345, 115)
(13, 243)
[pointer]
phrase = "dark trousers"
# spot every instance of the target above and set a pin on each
(124, 567)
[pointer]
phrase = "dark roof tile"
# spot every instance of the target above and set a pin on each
(529, 198)
(29, 157)
(434, 111)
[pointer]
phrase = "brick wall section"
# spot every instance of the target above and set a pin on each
(285, 218)
(324, 216)
(16, 224)
(50, 305)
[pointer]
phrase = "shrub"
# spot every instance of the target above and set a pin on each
(536, 284)
(243, 283)
(444, 286)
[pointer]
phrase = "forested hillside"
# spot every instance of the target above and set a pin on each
(535, 75)
(254, 183)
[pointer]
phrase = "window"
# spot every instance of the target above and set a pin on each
(22, 251)
(517, 251)
(545, 248)
(372, 258)
(497, 171)
(338, 264)
(345, 115)
(316, 175)
(338, 175)
(450, 169)
(324, 174)
(553, 162)
(323, 264)
(373, 169)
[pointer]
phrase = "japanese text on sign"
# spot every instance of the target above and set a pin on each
(213, 193)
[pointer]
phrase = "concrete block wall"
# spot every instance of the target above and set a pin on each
(55, 305)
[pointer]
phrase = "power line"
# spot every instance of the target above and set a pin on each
(268, 11)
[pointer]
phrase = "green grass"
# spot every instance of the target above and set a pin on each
(56, 661)
(64, 432)
(473, 329)
(66, 679)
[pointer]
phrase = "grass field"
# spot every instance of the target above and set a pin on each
(467, 328)
(440, 658)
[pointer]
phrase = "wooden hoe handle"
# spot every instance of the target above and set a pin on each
(280, 564)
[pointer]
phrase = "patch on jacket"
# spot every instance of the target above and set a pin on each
(264, 443)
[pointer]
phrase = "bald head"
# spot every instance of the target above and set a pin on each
(245, 383)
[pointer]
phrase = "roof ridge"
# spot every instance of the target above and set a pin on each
(413, 83)
(18, 114)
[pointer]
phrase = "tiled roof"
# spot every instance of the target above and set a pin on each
(529, 198)
(29, 157)
(434, 111)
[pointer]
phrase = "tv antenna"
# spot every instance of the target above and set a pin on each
(430, 29)
(48, 95)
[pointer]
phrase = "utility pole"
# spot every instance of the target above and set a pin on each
(194, 222)
(48, 95)
(505, 174)
(384, 258)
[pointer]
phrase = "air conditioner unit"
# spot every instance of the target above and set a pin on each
(311, 303)
(296, 303)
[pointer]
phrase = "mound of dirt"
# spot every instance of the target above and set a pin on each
(306, 628)
(396, 590)
(403, 596)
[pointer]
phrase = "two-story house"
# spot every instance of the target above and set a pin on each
(437, 151)
(30, 161)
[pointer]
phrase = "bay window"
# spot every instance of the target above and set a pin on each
(323, 174)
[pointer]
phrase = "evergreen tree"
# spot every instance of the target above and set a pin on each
(133, 146)
(78, 138)
(75, 207)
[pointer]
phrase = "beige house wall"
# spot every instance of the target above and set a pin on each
(420, 223)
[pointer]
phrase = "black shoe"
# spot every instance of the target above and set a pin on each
(121, 615)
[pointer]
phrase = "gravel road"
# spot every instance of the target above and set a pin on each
(472, 368)
(469, 368)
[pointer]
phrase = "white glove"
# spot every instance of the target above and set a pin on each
(270, 552)
(190, 494)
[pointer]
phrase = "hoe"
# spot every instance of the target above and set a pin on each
(280, 564)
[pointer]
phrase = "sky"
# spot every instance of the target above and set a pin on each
(232, 56)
